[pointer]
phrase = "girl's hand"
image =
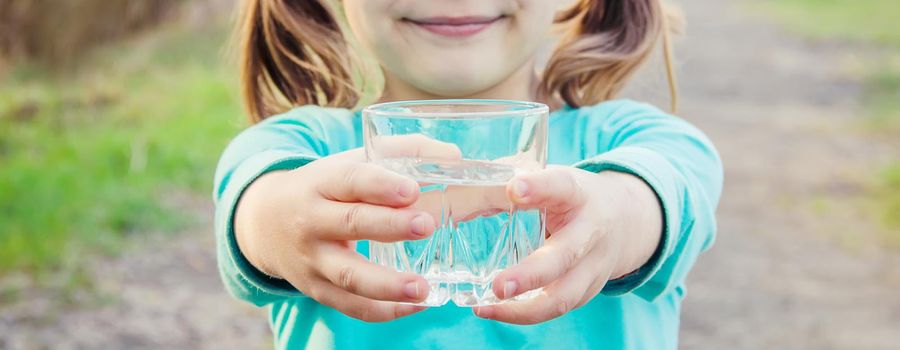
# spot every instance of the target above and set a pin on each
(301, 226)
(601, 226)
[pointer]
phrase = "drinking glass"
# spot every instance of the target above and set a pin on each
(462, 153)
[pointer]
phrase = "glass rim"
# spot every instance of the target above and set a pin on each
(380, 109)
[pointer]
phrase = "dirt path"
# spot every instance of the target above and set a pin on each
(782, 115)
(778, 109)
(165, 293)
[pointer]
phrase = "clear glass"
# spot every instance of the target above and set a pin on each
(462, 153)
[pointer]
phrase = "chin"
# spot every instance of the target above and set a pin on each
(456, 83)
(456, 87)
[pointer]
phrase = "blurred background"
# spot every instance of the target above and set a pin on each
(113, 114)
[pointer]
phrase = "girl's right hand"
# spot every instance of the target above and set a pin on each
(301, 225)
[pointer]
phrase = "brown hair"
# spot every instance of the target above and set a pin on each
(295, 53)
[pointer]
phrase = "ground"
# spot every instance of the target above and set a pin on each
(789, 269)
(783, 116)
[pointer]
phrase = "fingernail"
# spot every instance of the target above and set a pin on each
(520, 189)
(509, 288)
(417, 225)
(411, 290)
(406, 189)
(484, 312)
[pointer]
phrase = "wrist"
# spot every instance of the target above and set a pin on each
(253, 211)
(640, 224)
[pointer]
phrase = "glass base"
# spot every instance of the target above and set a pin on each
(466, 293)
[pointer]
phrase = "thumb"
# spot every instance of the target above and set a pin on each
(555, 188)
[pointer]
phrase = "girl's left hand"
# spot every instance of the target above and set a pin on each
(601, 226)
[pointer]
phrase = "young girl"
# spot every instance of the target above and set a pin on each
(630, 198)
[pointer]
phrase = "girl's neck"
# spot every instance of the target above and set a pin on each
(521, 85)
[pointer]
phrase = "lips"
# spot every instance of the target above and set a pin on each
(455, 27)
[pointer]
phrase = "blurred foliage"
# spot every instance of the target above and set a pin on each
(872, 22)
(882, 96)
(120, 146)
(889, 192)
(875, 23)
(58, 30)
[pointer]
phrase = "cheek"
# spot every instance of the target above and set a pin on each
(535, 18)
(369, 21)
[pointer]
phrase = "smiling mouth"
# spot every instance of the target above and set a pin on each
(455, 27)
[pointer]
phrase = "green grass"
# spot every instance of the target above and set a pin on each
(94, 156)
(869, 22)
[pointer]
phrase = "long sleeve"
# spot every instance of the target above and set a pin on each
(682, 167)
(283, 142)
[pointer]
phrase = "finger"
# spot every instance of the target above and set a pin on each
(601, 258)
(560, 253)
(352, 273)
(469, 202)
(554, 188)
(557, 299)
(369, 183)
(413, 146)
(353, 155)
(359, 307)
(591, 292)
(361, 221)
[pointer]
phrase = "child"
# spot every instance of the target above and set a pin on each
(630, 196)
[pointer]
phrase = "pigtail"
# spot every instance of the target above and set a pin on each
(605, 44)
(293, 53)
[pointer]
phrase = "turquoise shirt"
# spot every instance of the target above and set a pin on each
(640, 311)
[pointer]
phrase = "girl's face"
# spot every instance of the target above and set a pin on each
(451, 48)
